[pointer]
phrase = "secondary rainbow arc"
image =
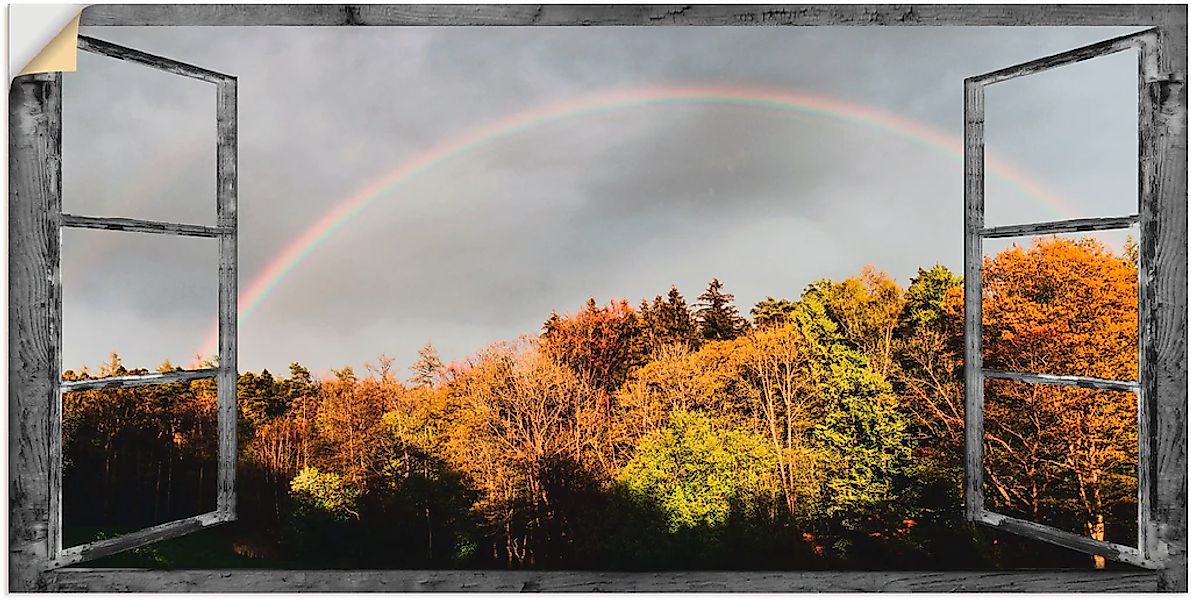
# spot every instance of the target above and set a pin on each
(284, 262)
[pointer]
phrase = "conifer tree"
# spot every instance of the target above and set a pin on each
(716, 315)
(669, 321)
(428, 368)
(772, 312)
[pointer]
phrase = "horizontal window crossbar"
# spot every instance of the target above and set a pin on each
(96, 46)
(1067, 226)
(149, 535)
(142, 226)
(1106, 47)
(1067, 539)
(126, 381)
(1094, 383)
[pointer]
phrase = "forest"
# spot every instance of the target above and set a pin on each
(823, 430)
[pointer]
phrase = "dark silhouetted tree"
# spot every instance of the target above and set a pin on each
(717, 316)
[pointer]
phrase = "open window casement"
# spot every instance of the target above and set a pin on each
(1146, 553)
(223, 234)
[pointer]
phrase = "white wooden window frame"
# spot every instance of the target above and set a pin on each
(224, 233)
(1146, 552)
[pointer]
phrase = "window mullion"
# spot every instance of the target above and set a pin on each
(226, 198)
(973, 301)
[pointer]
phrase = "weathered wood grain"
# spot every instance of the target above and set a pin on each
(35, 187)
(231, 581)
(140, 226)
(226, 188)
(626, 14)
(1163, 254)
(127, 381)
(1091, 383)
(973, 300)
(148, 535)
(34, 203)
(160, 63)
(1066, 226)
(1147, 529)
(1066, 539)
(1111, 46)
(1155, 314)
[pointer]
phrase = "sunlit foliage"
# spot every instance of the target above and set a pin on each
(825, 433)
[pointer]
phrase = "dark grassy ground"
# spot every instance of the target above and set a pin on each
(213, 548)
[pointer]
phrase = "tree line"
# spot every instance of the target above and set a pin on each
(819, 431)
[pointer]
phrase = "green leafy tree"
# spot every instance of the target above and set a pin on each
(865, 435)
(866, 308)
(697, 472)
(326, 493)
(772, 312)
(929, 357)
(324, 510)
(927, 294)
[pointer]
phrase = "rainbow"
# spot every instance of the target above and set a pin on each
(284, 262)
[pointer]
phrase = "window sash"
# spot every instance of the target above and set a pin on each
(225, 374)
(1145, 554)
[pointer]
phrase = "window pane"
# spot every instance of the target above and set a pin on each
(148, 298)
(137, 143)
(1064, 457)
(1062, 144)
(1062, 305)
(136, 457)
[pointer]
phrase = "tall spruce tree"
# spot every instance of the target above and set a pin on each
(669, 321)
(717, 316)
(428, 368)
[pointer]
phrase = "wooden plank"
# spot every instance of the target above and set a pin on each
(225, 208)
(973, 301)
(153, 61)
(34, 338)
(1147, 531)
(1066, 539)
(1164, 313)
(241, 581)
(140, 226)
(1065, 226)
(149, 535)
(127, 381)
(1069, 57)
(626, 14)
(1091, 383)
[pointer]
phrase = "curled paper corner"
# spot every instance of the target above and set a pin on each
(43, 38)
(61, 54)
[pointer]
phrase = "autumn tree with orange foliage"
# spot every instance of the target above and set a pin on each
(601, 343)
(1062, 455)
(528, 431)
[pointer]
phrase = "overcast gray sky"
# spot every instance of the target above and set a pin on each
(622, 203)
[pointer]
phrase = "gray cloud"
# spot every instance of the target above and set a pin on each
(483, 245)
